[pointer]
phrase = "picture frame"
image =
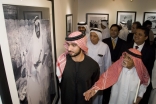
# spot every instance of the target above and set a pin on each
(94, 19)
(5, 97)
(126, 16)
(151, 16)
(31, 14)
(69, 24)
(48, 58)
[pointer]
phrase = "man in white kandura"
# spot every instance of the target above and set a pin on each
(128, 76)
(98, 51)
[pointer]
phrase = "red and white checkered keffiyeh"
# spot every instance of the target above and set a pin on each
(111, 76)
(61, 62)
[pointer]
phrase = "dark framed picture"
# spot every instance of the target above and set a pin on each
(94, 19)
(29, 15)
(151, 16)
(126, 16)
(28, 51)
(69, 24)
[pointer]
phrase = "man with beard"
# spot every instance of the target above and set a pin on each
(76, 71)
(128, 76)
(83, 27)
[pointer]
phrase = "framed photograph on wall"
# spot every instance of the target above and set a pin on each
(94, 19)
(126, 16)
(31, 14)
(28, 51)
(69, 24)
(151, 16)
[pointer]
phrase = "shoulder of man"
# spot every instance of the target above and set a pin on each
(121, 40)
(106, 40)
(90, 60)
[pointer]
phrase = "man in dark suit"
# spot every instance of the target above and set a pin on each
(114, 42)
(115, 45)
(148, 55)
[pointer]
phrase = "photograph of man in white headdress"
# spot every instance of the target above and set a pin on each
(31, 56)
(127, 19)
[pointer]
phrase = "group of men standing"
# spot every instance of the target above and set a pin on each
(96, 60)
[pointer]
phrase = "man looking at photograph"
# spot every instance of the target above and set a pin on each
(76, 71)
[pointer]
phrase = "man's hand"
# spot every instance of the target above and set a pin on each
(88, 94)
(137, 100)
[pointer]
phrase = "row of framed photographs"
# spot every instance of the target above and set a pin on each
(94, 19)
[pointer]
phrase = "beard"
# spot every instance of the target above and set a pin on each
(75, 54)
(83, 32)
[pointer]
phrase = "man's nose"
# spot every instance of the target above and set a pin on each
(69, 47)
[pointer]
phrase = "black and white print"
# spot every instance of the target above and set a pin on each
(151, 16)
(69, 24)
(94, 20)
(126, 16)
(31, 55)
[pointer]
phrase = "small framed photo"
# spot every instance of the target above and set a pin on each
(69, 24)
(126, 16)
(151, 16)
(94, 19)
(30, 15)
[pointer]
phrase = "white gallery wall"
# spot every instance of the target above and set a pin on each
(62, 7)
(111, 7)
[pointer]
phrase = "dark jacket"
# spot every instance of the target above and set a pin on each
(117, 51)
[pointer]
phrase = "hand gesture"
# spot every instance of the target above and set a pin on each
(88, 94)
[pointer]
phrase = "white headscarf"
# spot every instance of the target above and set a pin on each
(98, 32)
(102, 49)
(84, 24)
(106, 31)
(104, 22)
(124, 31)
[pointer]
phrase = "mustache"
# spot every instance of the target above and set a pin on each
(70, 51)
(124, 63)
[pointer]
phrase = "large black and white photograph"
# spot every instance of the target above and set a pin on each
(151, 16)
(69, 24)
(127, 17)
(31, 54)
(94, 19)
